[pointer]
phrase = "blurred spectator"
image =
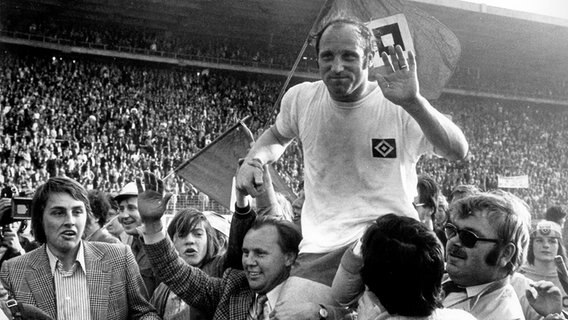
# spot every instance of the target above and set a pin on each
(556, 214)
(113, 225)
(426, 202)
(100, 207)
(462, 191)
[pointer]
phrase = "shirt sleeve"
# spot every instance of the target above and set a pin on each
(287, 118)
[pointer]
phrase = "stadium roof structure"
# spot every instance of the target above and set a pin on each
(491, 38)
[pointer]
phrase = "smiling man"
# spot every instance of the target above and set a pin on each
(488, 235)
(269, 250)
(362, 132)
(129, 218)
(72, 279)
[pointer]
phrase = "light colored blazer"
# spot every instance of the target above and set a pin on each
(116, 289)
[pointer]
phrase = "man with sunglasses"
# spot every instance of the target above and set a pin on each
(488, 236)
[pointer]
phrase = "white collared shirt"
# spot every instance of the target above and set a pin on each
(483, 302)
(272, 297)
(455, 297)
(71, 289)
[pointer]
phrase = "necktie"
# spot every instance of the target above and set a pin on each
(256, 310)
(450, 286)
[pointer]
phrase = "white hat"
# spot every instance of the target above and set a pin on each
(547, 229)
(129, 190)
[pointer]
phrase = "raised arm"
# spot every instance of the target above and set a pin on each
(268, 148)
(399, 84)
(191, 284)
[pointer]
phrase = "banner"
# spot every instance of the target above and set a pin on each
(437, 47)
(513, 182)
(212, 169)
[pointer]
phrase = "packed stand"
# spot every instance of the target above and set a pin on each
(158, 42)
(76, 121)
(101, 123)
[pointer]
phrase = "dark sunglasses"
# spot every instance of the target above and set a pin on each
(467, 238)
(416, 205)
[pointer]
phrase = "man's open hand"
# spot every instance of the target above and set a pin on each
(545, 298)
(152, 202)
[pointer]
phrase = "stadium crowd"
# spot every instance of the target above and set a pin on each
(155, 42)
(102, 123)
(73, 123)
(165, 43)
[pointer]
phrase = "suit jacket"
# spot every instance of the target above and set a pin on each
(102, 235)
(160, 296)
(116, 289)
(227, 298)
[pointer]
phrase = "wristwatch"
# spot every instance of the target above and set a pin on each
(323, 312)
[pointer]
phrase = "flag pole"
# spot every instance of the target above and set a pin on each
(240, 123)
(326, 4)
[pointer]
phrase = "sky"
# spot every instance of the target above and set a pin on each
(554, 8)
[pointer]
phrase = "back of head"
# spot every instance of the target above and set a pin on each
(507, 213)
(100, 205)
(556, 214)
(462, 191)
(41, 197)
(428, 192)
(403, 265)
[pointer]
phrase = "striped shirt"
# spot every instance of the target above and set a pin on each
(71, 290)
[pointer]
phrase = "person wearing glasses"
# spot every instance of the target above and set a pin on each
(488, 236)
(394, 272)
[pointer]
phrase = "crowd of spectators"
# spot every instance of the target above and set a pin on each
(507, 82)
(157, 42)
(234, 51)
(507, 138)
(102, 122)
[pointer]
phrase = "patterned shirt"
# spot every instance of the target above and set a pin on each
(71, 290)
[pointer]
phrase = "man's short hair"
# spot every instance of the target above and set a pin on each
(507, 213)
(186, 220)
(113, 203)
(363, 32)
(403, 265)
(462, 191)
(42, 194)
(428, 192)
(555, 213)
(100, 205)
(289, 236)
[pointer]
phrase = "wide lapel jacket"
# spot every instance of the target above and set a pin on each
(99, 279)
(240, 303)
(28, 279)
(40, 281)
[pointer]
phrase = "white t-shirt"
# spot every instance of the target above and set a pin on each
(359, 162)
